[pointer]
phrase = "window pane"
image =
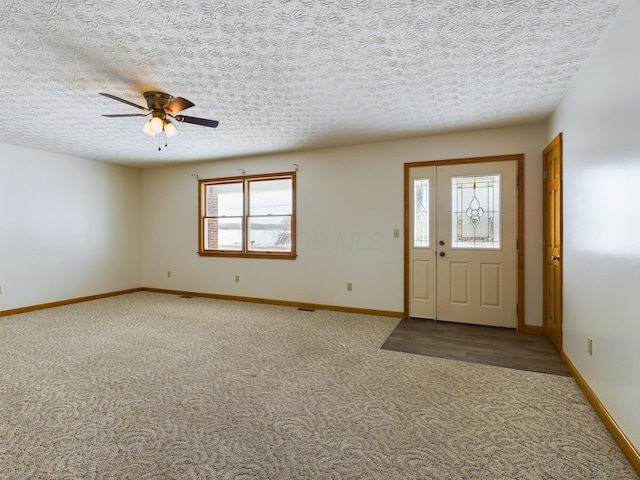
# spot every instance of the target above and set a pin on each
(421, 212)
(271, 233)
(270, 197)
(223, 234)
(475, 206)
(223, 200)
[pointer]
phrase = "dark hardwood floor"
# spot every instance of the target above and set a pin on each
(495, 346)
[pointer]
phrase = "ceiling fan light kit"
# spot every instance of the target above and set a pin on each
(147, 129)
(170, 129)
(162, 106)
(155, 125)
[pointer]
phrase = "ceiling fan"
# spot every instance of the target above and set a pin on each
(162, 107)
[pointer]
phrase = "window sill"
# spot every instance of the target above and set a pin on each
(267, 255)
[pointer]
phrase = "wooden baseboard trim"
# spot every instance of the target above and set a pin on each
(630, 451)
(61, 303)
(285, 303)
(534, 329)
(314, 306)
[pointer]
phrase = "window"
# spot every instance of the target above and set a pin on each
(421, 212)
(475, 221)
(249, 216)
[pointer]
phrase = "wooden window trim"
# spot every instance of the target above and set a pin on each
(245, 253)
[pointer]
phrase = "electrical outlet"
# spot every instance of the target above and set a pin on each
(590, 346)
(0, 288)
(168, 273)
(349, 287)
(237, 278)
(396, 233)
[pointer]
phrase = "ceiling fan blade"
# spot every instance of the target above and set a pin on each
(108, 95)
(128, 115)
(197, 121)
(178, 104)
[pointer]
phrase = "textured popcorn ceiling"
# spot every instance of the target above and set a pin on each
(283, 75)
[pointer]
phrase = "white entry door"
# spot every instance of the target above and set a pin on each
(463, 243)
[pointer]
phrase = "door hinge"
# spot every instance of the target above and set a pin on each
(544, 244)
(546, 174)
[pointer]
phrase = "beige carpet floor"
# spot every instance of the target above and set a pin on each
(152, 386)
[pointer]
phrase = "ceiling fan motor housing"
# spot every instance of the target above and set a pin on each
(157, 100)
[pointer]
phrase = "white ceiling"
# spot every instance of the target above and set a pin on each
(283, 75)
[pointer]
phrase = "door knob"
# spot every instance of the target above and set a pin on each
(441, 243)
(442, 254)
(555, 257)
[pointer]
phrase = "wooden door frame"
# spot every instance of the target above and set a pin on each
(519, 159)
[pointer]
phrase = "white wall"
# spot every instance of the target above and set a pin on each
(68, 227)
(600, 121)
(348, 204)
